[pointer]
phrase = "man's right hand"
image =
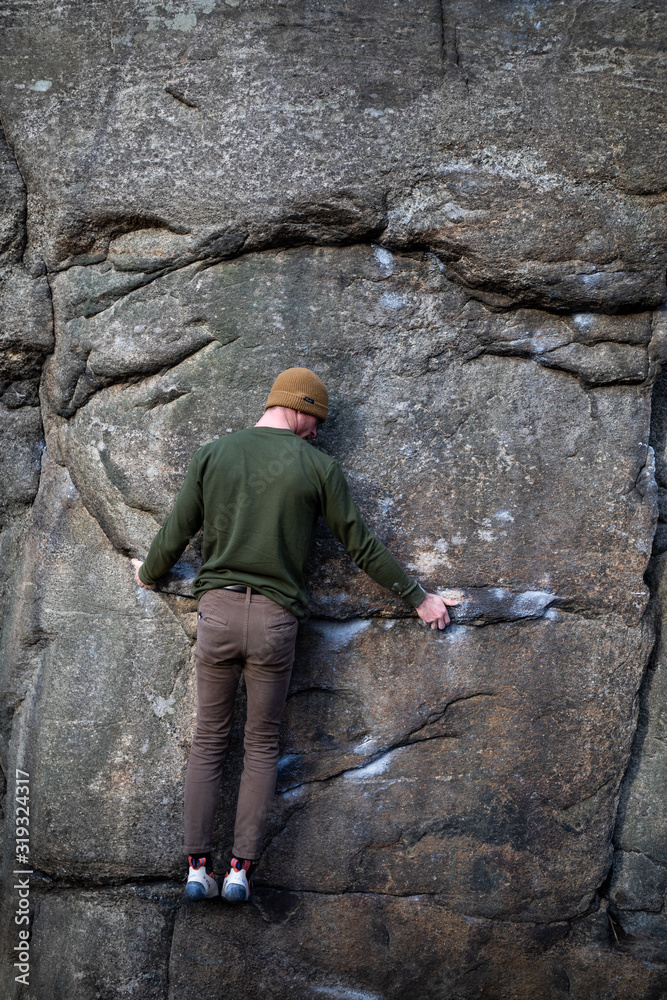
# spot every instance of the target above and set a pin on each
(433, 610)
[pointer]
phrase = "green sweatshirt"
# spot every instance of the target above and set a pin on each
(258, 494)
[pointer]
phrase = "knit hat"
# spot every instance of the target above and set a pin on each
(300, 389)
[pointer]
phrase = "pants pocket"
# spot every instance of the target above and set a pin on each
(217, 637)
(210, 611)
(274, 642)
(282, 626)
(279, 619)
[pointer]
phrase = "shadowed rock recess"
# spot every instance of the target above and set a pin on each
(455, 212)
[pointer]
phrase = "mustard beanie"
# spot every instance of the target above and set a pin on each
(300, 389)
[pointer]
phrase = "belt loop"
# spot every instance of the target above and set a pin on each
(248, 592)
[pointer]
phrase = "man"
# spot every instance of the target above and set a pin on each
(258, 494)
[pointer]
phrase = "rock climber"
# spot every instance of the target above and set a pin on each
(258, 494)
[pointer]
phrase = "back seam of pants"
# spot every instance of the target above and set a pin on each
(246, 619)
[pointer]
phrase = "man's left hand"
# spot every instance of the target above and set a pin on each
(138, 563)
(433, 610)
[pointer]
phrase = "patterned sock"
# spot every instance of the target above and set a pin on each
(197, 860)
(239, 863)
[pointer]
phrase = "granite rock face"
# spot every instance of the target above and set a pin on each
(455, 213)
(454, 126)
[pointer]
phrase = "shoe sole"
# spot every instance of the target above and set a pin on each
(235, 894)
(195, 891)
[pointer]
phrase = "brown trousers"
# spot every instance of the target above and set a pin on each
(237, 632)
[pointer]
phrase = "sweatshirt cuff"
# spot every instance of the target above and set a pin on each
(414, 594)
(142, 576)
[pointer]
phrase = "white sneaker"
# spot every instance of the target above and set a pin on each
(200, 885)
(236, 887)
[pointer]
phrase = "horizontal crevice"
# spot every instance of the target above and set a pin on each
(58, 884)
(136, 378)
(404, 742)
(419, 248)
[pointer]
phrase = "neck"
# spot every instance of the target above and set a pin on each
(277, 416)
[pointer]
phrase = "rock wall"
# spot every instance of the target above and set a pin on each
(455, 213)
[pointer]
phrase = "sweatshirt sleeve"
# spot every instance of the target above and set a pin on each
(343, 517)
(184, 521)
